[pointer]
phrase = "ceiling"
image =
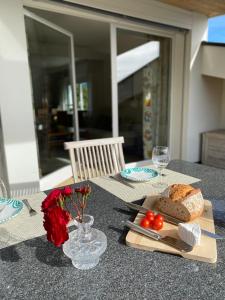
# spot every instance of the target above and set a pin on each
(87, 33)
(210, 8)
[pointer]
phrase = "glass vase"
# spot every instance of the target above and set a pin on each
(85, 244)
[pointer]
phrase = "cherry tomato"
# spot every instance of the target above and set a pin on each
(149, 214)
(151, 218)
(159, 217)
(145, 222)
(157, 224)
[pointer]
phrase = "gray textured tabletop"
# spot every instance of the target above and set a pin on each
(35, 269)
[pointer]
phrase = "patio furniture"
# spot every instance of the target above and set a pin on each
(3, 190)
(92, 158)
(213, 148)
(123, 272)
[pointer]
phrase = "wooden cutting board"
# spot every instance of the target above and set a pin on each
(206, 251)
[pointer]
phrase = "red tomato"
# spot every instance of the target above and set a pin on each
(150, 214)
(157, 224)
(145, 223)
(159, 217)
(150, 218)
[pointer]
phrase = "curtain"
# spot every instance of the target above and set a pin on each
(156, 100)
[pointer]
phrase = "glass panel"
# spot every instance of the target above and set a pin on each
(143, 71)
(92, 55)
(93, 73)
(49, 59)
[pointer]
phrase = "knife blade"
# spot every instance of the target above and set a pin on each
(173, 220)
(122, 181)
(2, 208)
(212, 235)
(171, 241)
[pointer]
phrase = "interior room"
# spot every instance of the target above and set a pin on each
(143, 92)
(58, 117)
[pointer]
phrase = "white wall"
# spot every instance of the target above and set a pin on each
(213, 65)
(202, 102)
(204, 109)
(213, 61)
(222, 116)
(15, 99)
(145, 9)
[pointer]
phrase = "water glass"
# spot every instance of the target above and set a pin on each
(160, 159)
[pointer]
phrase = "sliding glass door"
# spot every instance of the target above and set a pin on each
(52, 73)
(143, 78)
(69, 61)
(91, 43)
(77, 94)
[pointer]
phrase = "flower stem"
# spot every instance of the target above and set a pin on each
(82, 211)
(76, 208)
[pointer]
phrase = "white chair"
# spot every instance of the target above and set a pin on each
(93, 158)
(3, 190)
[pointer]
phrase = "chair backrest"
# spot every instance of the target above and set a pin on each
(93, 158)
(3, 190)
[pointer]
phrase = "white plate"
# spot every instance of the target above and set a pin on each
(139, 174)
(9, 208)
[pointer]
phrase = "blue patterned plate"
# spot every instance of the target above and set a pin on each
(9, 208)
(139, 174)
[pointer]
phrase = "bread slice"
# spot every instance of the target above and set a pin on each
(182, 202)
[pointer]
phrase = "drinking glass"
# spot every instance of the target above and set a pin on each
(160, 158)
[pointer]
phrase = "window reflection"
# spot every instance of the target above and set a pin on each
(143, 68)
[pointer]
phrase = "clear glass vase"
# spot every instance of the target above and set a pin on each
(85, 244)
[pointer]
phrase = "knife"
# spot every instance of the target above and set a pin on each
(2, 208)
(122, 181)
(168, 240)
(173, 220)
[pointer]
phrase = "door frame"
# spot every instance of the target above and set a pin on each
(72, 69)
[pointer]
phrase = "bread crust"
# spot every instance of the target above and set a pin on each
(183, 202)
(179, 191)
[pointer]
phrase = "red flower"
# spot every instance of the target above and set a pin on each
(78, 190)
(56, 217)
(55, 223)
(51, 199)
(67, 191)
(84, 190)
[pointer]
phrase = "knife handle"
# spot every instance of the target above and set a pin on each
(144, 231)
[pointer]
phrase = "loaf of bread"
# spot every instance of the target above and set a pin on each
(181, 201)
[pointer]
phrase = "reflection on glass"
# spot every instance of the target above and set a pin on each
(135, 59)
(143, 92)
(82, 96)
(49, 59)
(92, 52)
(50, 64)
